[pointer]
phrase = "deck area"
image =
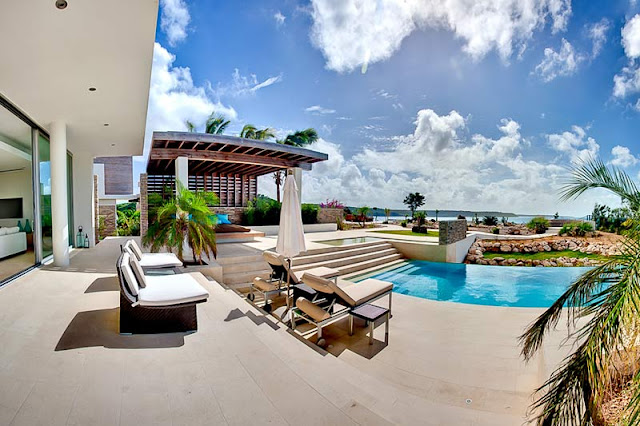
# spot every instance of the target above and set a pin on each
(63, 362)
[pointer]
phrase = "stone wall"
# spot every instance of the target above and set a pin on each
(235, 213)
(327, 215)
(96, 211)
(144, 205)
(452, 231)
(110, 218)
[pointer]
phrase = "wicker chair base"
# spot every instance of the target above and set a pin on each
(150, 320)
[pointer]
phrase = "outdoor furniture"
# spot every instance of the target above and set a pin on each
(370, 313)
(156, 303)
(281, 274)
(153, 260)
(339, 297)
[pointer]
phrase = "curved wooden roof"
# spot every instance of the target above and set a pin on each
(225, 155)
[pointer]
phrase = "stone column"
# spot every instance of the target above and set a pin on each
(144, 205)
(59, 207)
(182, 171)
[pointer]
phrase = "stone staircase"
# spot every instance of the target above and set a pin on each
(349, 260)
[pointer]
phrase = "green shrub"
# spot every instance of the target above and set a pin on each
(262, 211)
(310, 213)
(496, 230)
(576, 229)
(538, 224)
(340, 223)
(403, 223)
(490, 220)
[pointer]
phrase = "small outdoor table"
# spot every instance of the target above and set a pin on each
(370, 313)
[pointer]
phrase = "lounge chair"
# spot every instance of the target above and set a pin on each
(281, 274)
(156, 304)
(153, 260)
(340, 298)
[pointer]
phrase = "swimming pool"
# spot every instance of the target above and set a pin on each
(347, 241)
(481, 284)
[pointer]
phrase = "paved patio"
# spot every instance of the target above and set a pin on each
(63, 362)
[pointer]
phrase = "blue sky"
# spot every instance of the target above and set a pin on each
(478, 108)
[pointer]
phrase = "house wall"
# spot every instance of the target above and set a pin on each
(118, 175)
(18, 185)
(452, 231)
(108, 211)
(330, 215)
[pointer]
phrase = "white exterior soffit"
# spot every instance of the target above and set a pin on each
(50, 58)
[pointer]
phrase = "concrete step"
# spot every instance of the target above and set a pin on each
(331, 249)
(259, 265)
(243, 277)
(347, 260)
(224, 261)
(323, 257)
(375, 269)
(371, 263)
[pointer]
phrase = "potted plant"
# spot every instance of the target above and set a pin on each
(185, 219)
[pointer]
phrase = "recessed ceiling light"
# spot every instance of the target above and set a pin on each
(105, 124)
(92, 89)
(61, 4)
(113, 144)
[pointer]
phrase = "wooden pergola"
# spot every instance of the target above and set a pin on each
(226, 165)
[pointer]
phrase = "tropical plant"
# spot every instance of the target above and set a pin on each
(362, 215)
(603, 310)
(611, 220)
(332, 204)
(476, 220)
(437, 213)
(262, 210)
(299, 138)
(576, 229)
(128, 222)
(539, 225)
(490, 220)
(403, 223)
(496, 230)
(185, 218)
(191, 128)
(310, 213)
(414, 200)
(249, 131)
(216, 124)
(387, 213)
(556, 215)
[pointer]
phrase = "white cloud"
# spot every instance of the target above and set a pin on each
(354, 33)
(174, 19)
(622, 157)
(397, 106)
(174, 98)
(597, 32)
(280, 18)
(557, 64)
(627, 82)
(454, 170)
(242, 85)
(318, 110)
(575, 145)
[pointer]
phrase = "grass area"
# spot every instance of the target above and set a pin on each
(545, 255)
(410, 233)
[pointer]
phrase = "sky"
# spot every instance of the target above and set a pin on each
(478, 105)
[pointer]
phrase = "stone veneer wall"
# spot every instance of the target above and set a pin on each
(144, 205)
(235, 213)
(452, 231)
(326, 215)
(96, 211)
(110, 217)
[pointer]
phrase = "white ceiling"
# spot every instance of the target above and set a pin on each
(51, 57)
(12, 158)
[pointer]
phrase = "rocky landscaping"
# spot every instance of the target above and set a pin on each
(571, 252)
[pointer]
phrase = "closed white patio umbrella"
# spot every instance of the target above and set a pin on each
(290, 233)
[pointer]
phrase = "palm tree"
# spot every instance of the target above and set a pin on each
(191, 128)
(603, 311)
(216, 124)
(387, 213)
(362, 214)
(437, 213)
(249, 131)
(298, 138)
(185, 217)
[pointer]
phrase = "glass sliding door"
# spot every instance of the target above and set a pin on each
(17, 205)
(46, 240)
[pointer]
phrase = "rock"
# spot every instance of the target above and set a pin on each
(512, 261)
(499, 259)
(520, 263)
(567, 264)
(546, 263)
(505, 248)
(493, 262)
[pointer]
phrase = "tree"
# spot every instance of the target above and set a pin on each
(185, 217)
(414, 201)
(362, 215)
(191, 128)
(216, 124)
(387, 213)
(437, 213)
(603, 314)
(490, 220)
(299, 138)
(556, 215)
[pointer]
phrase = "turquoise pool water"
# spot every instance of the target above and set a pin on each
(481, 284)
(347, 241)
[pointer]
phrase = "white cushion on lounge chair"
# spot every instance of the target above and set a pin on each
(129, 276)
(135, 249)
(365, 290)
(314, 311)
(264, 285)
(137, 270)
(165, 290)
(160, 260)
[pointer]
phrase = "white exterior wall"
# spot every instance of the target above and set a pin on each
(83, 196)
(59, 206)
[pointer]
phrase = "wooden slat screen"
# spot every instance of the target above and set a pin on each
(233, 190)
